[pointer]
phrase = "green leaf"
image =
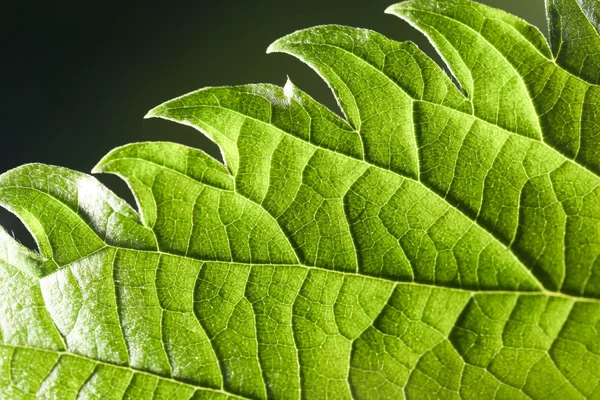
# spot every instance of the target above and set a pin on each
(436, 242)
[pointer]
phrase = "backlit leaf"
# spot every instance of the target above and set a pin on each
(435, 242)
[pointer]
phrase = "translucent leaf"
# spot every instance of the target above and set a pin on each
(436, 242)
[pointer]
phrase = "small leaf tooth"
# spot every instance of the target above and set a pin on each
(288, 88)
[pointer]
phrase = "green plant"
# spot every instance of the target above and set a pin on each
(434, 243)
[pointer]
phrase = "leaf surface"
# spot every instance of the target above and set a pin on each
(435, 242)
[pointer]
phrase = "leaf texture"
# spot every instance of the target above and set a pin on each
(435, 242)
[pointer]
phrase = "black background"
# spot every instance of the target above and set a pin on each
(79, 76)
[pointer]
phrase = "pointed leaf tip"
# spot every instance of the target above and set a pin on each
(391, 9)
(273, 47)
(278, 46)
(403, 6)
(152, 113)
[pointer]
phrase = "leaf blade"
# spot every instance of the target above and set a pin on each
(318, 262)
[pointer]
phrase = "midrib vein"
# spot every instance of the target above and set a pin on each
(542, 290)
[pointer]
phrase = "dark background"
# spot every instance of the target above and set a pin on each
(79, 76)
